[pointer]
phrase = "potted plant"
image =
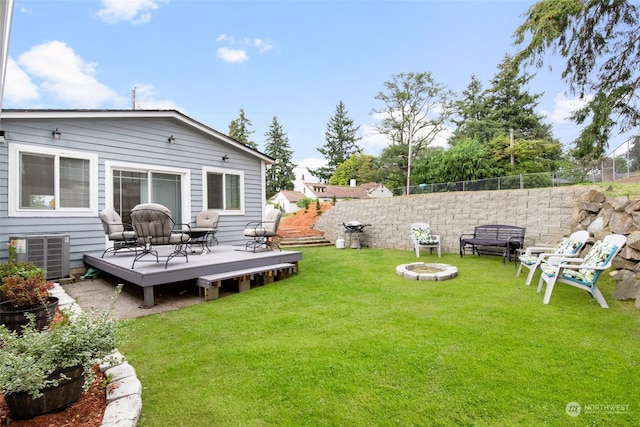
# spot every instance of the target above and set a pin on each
(25, 290)
(46, 371)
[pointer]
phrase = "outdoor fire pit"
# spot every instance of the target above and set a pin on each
(431, 271)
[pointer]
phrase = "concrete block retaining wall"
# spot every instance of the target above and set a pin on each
(547, 214)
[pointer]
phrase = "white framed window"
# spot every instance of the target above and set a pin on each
(223, 190)
(128, 184)
(45, 181)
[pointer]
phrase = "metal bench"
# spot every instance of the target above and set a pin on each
(507, 239)
(211, 283)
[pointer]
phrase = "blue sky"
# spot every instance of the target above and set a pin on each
(294, 59)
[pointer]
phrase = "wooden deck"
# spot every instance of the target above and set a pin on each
(149, 273)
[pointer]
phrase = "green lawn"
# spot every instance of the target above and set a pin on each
(347, 342)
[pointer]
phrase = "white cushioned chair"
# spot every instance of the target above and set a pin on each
(421, 237)
(569, 247)
(581, 273)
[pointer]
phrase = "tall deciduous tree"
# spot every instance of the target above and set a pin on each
(280, 175)
(360, 167)
(599, 40)
(239, 130)
(415, 111)
(341, 143)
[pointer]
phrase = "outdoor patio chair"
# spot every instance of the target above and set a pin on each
(204, 229)
(421, 237)
(120, 235)
(581, 273)
(569, 247)
(263, 232)
(154, 227)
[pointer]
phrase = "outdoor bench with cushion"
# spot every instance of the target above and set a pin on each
(487, 238)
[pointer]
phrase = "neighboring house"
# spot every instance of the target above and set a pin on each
(325, 192)
(60, 168)
(287, 200)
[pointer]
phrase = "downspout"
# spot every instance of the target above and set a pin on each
(6, 10)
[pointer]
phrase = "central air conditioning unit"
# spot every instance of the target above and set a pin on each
(48, 251)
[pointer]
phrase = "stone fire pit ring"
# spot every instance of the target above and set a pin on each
(427, 271)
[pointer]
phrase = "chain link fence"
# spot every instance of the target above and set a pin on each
(514, 182)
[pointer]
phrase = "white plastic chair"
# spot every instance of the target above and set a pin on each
(421, 237)
(569, 247)
(581, 273)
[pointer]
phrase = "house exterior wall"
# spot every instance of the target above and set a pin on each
(381, 191)
(545, 213)
(127, 140)
(286, 205)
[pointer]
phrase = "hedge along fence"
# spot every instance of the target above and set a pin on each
(547, 214)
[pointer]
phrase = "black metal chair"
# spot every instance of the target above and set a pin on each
(263, 232)
(154, 227)
(204, 229)
(120, 234)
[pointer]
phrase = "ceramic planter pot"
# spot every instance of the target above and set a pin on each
(54, 398)
(15, 319)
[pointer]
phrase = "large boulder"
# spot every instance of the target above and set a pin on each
(622, 223)
(628, 285)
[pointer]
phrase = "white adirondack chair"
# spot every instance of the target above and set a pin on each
(421, 237)
(569, 247)
(581, 273)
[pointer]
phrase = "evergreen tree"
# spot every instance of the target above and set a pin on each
(634, 154)
(471, 114)
(510, 106)
(341, 143)
(239, 130)
(280, 175)
(599, 41)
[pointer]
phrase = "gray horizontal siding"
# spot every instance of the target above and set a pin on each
(127, 140)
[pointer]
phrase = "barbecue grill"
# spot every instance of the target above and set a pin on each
(354, 229)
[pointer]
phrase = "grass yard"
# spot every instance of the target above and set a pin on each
(347, 342)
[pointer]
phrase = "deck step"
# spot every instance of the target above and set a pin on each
(212, 282)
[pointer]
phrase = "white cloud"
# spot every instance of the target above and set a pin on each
(564, 107)
(232, 55)
(66, 76)
(310, 163)
(133, 11)
(263, 46)
(372, 142)
(20, 89)
(145, 99)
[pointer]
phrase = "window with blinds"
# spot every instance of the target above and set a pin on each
(224, 190)
(50, 181)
